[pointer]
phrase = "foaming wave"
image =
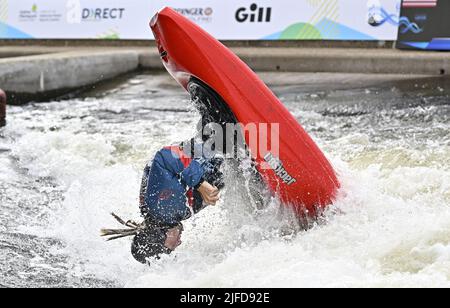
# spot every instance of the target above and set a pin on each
(62, 155)
(382, 234)
(390, 228)
(390, 225)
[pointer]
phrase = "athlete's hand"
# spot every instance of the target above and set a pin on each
(210, 193)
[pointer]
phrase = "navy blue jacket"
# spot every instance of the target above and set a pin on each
(165, 185)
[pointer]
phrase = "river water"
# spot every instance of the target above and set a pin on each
(66, 165)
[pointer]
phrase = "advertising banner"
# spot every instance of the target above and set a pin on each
(75, 19)
(424, 25)
(226, 20)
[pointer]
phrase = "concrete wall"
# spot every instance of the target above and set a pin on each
(47, 69)
(334, 60)
(34, 74)
(343, 60)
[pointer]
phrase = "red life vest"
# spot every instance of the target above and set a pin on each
(186, 160)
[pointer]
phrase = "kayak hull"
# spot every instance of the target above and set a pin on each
(298, 172)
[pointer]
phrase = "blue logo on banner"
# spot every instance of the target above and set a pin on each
(379, 16)
(408, 26)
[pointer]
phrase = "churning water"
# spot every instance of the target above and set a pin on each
(66, 165)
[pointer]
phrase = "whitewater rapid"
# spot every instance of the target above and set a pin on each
(66, 165)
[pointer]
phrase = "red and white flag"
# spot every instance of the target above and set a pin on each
(419, 3)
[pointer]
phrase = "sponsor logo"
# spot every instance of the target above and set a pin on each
(197, 14)
(73, 9)
(254, 14)
(35, 14)
(98, 14)
(378, 15)
(29, 15)
(77, 14)
(277, 165)
(420, 17)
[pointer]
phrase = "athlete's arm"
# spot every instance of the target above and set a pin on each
(193, 174)
(210, 193)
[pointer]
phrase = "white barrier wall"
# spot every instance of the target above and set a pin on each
(227, 20)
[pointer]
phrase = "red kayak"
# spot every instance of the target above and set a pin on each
(299, 174)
